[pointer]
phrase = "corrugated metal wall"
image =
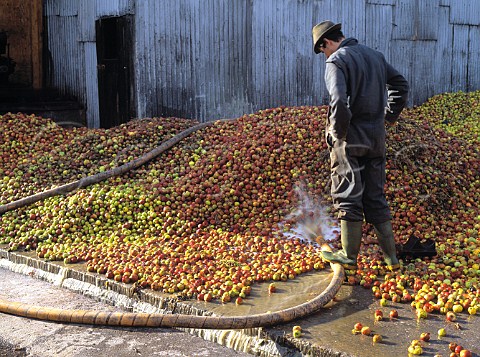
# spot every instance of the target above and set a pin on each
(209, 59)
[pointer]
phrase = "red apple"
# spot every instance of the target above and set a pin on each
(366, 330)
(425, 336)
(465, 353)
(358, 326)
(393, 314)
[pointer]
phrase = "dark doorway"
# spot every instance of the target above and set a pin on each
(115, 70)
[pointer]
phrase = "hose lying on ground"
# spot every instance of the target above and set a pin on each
(158, 320)
(131, 319)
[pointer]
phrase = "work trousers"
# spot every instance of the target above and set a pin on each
(357, 187)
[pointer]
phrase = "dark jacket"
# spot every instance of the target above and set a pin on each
(364, 91)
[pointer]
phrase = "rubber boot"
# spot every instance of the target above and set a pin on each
(384, 234)
(351, 237)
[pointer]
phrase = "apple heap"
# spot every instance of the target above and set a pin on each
(207, 219)
(197, 221)
(39, 154)
(457, 113)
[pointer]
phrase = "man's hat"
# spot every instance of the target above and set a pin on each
(321, 30)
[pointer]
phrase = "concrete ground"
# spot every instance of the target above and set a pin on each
(24, 337)
(325, 333)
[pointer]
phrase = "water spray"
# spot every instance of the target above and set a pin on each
(311, 220)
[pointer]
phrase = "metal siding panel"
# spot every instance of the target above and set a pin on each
(428, 15)
(442, 61)
(223, 56)
(415, 20)
(142, 54)
(265, 75)
(219, 59)
(381, 2)
(86, 20)
(422, 72)
(293, 59)
(473, 66)
(258, 62)
(150, 57)
(299, 55)
(187, 80)
(51, 8)
(402, 58)
(169, 34)
(459, 57)
(67, 7)
(319, 11)
(140, 59)
(67, 63)
(91, 85)
(274, 61)
(113, 7)
(203, 65)
(378, 29)
(154, 12)
(297, 51)
(465, 12)
(352, 16)
(209, 31)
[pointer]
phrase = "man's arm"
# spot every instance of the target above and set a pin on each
(340, 113)
(397, 89)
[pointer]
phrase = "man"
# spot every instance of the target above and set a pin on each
(365, 92)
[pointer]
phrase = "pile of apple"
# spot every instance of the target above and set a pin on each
(38, 154)
(198, 221)
(457, 113)
(208, 218)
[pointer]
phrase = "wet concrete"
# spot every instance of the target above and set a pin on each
(33, 338)
(7, 349)
(328, 332)
(325, 333)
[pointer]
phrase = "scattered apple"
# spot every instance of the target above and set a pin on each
(272, 288)
(366, 330)
(452, 346)
(450, 316)
(457, 308)
(442, 332)
(425, 336)
(421, 314)
(465, 353)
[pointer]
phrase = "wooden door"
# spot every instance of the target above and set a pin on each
(115, 70)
